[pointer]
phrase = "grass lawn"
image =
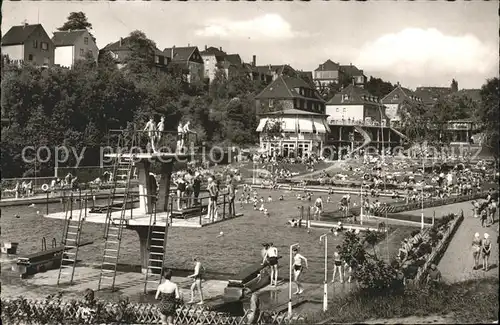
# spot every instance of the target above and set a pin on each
(472, 302)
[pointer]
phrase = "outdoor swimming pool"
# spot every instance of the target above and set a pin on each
(238, 248)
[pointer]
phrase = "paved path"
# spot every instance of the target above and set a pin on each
(457, 262)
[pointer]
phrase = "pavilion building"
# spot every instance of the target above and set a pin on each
(292, 132)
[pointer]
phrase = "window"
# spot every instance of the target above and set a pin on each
(82, 53)
(90, 52)
(344, 109)
(271, 103)
(46, 61)
(44, 46)
(86, 40)
(337, 110)
(35, 44)
(396, 96)
(157, 59)
(30, 57)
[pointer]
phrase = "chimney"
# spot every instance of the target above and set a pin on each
(189, 45)
(397, 83)
(220, 48)
(172, 52)
(121, 39)
(206, 47)
(254, 60)
(350, 64)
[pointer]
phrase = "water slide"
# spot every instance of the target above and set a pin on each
(365, 135)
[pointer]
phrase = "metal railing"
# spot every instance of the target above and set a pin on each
(357, 122)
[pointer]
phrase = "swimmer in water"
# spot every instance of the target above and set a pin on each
(272, 258)
(281, 198)
(297, 269)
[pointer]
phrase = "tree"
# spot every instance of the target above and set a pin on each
(77, 20)
(454, 86)
(378, 87)
(489, 116)
(141, 59)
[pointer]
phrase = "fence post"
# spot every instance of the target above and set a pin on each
(47, 204)
(223, 206)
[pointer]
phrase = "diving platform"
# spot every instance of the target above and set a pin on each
(138, 220)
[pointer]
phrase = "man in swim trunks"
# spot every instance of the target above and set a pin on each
(271, 257)
(212, 203)
(150, 129)
(297, 269)
(232, 194)
(197, 281)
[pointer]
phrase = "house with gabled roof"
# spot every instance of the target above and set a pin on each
(211, 56)
(28, 43)
(121, 49)
(289, 92)
(393, 101)
(352, 73)
(73, 45)
(188, 59)
(276, 70)
(327, 73)
(355, 104)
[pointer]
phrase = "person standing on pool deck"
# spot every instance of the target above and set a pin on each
(486, 251)
(297, 269)
(272, 258)
(337, 265)
(196, 187)
(476, 250)
(212, 201)
(168, 292)
(150, 129)
(232, 194)
(197, 281)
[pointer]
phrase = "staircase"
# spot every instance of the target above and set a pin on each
(71, 239)
(114, 227)
(157, 243)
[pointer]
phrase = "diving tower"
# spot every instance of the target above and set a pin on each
(155, 212)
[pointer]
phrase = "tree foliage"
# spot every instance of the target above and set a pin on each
(77, 107)
(378, 87)
(488, 114)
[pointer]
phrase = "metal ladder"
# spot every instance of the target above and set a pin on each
(71, 240)
(113, 231)
(157, 245)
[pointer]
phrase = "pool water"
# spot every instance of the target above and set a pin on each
(238, 248)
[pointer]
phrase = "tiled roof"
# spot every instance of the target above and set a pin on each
(124, 45)
(269, 68)
(67, 37)
(329, 65)
(284, 87)
(474, 94)
(293, 111)
(18, 34)
(430, 94)
(351, 70)
(355, 96)
(405, 94)
(233, 58)
(180, 53)
(213, 51)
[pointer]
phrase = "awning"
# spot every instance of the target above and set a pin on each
(305, 125)
(289, 125)
(319, 126)
(262, 123)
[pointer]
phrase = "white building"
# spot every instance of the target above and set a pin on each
(301, 132)
(73, 45)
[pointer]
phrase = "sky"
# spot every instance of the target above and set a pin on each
(419, 43)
